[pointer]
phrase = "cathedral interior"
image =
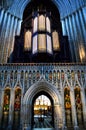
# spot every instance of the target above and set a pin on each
(42, 65)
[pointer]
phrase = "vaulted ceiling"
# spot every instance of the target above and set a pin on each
(65, 7)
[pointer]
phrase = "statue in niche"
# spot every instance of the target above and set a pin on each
(6, 102)
(67, 102)
(17, 103)
(78, 102)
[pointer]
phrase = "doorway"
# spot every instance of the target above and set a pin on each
(42, 112)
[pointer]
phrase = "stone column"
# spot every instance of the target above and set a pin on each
(58, 122)
(27, 116)
(74, 116)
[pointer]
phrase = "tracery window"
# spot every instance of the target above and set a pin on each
(6, 107)
(67, 104)
(17, 107)
(78, 103)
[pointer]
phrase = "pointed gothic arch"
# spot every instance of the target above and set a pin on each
(53, 94)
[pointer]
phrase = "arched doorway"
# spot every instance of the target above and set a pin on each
(43, 113)
(36, 90)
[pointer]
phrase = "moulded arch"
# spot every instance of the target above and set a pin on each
(42, 86)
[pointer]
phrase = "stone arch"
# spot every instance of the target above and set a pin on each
(42, 86)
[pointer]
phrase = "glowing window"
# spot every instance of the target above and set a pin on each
(42, 42)
(55, 38)
(49, 44)
(35, 24)
(41, 22)
(27, 42)
(34, 48)
(48, 24)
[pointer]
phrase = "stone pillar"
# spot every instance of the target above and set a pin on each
(27, 116)
(11, 108)
(58, 122)
(74, 116)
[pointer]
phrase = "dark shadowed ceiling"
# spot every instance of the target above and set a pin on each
(65, 7)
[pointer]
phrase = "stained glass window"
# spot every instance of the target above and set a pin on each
(17, 108)
(17, 104)
(6, 107)
(6, 99)
(78, 104)
(67, 104)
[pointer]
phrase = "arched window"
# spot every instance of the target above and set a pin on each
(27, 40)
(6, 105)
(17, 108)
(67, 104)
(78, 103)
